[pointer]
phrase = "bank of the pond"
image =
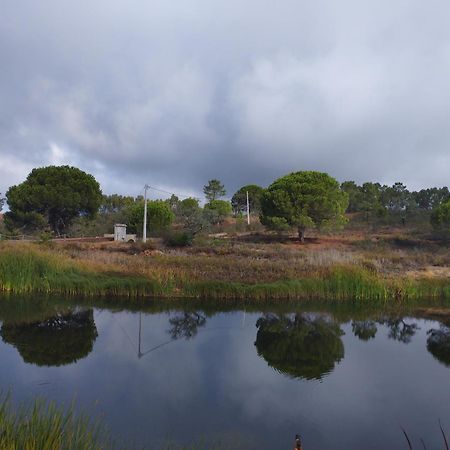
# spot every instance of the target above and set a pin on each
(30, 269)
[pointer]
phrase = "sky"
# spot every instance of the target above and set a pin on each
(174, 93)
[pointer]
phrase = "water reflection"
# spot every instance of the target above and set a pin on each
(301, 345)
(400, 330)
(185, 325)
(58, 340)
(204, 356)
(438, 344)
(364, 329)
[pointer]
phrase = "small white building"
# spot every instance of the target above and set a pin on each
(120, 234)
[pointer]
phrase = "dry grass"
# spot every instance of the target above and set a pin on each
(231, 265)
(231, 259)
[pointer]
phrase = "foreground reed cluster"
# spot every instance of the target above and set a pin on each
(41, 425)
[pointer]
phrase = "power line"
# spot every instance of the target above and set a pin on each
(167, 192)
(146, 187)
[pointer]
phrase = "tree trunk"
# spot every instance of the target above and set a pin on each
(301, 234)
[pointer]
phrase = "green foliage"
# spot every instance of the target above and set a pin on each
(239, 199)
(2, 202)
(365, 198)
(355, 196)
(115, 203)
(178, 239)
(300, 346)
(187, 206)
(190, 215)
(214, 190)
(371, 200)
(440, 218)
(173, 202)
(394, 203)
(52, 196)
(113, 209)
(303, 200)
(159, 217)
(429, 199)
(45, 237)
(216, 211)
(395, 198)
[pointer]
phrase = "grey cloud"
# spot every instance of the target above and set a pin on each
(175, 94)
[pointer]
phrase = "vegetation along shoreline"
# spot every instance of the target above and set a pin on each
(305, 236)
(110, 270)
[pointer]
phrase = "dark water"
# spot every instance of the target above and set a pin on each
(344, 377)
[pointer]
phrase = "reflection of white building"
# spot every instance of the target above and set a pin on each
(120, 234)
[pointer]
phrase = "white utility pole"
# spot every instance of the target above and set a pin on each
(144, 230)
(248, 211)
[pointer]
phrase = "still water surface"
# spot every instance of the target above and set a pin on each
(341, 376)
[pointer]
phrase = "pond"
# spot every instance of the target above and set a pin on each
(342, 376)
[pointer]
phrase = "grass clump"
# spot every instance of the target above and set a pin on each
(41, 425)
(26, 270)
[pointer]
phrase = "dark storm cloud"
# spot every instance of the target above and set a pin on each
(175, 93)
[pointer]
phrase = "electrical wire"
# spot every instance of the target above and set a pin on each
(171, 193)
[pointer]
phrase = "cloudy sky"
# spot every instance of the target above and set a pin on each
(173, 93)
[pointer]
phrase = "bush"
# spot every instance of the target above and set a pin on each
(179, 239)
(440, 218)
(159, 217)
(216, 211)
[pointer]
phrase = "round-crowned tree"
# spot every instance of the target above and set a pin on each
(303, 200)
(52, 197)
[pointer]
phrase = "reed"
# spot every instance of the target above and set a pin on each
(340, 283)
(41, 425)
(26, 269)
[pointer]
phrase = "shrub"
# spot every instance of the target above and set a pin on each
(179, 239)
(440, 218)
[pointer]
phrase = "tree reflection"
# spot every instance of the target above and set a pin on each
(186, 324)
(60, 340)
(438, 344)
(300, 346)
(364, 329)
(399, 330)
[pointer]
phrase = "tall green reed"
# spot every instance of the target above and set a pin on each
(41, 425)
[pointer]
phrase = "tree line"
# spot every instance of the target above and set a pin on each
(65, 200)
